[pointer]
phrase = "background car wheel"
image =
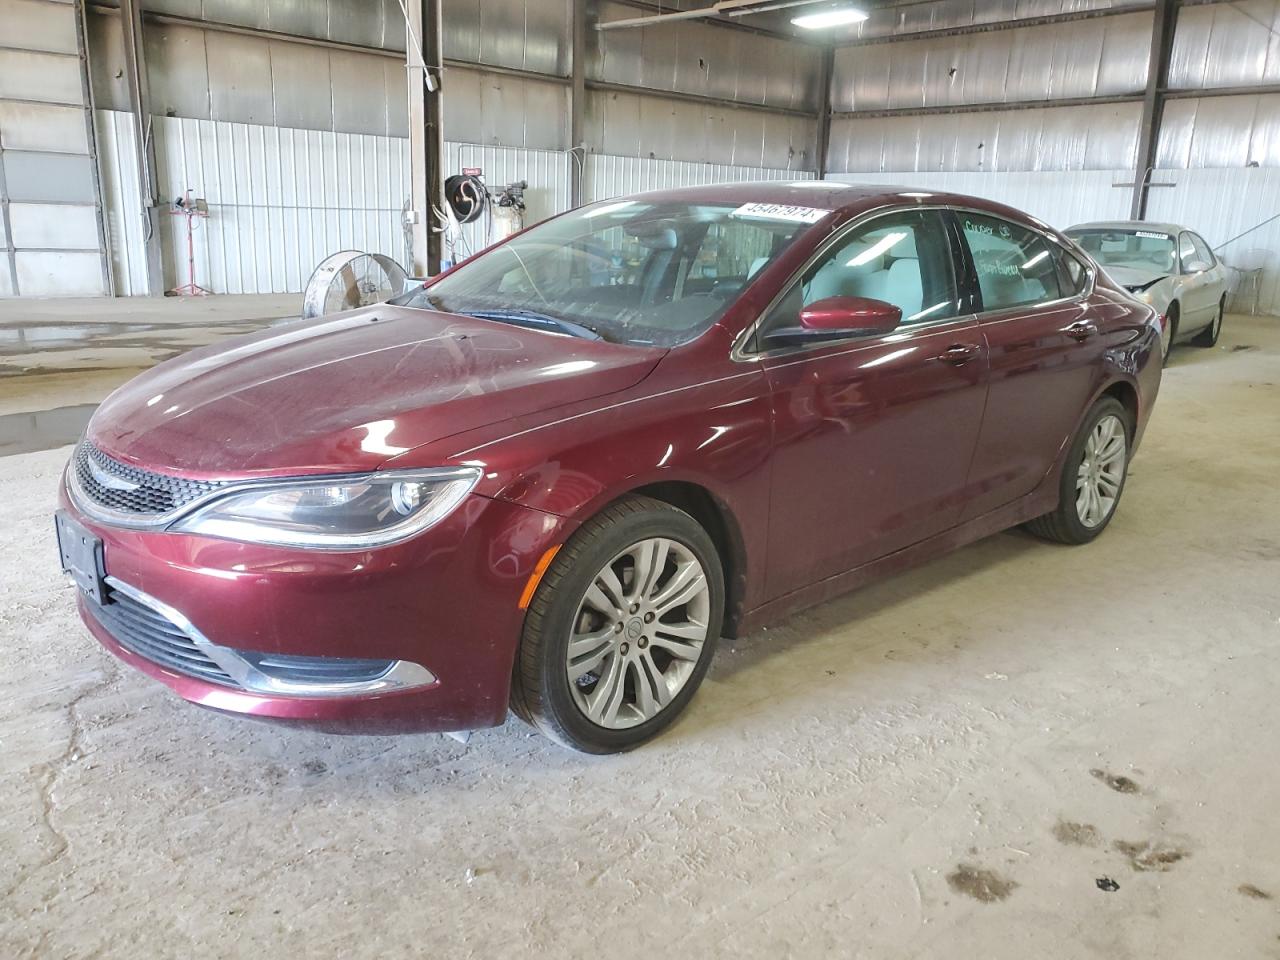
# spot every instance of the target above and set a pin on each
(1092, 477)
(622, 628)
(1171, 331)
(1208, 337)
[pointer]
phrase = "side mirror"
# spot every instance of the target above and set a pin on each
(1195, 266)
(839, 318)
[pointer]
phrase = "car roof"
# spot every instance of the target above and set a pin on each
(835, 196)
(1129, 226)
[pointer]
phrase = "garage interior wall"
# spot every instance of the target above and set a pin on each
(301, 149)
(50, 228)
(973, 111)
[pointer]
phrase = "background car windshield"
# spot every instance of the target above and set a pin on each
(1141, 250)
(634, 271)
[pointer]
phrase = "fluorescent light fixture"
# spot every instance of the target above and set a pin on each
(884, 244)
(829, 18)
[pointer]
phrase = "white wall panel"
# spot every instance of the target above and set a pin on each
(611, 176)
(1059, 198)
(121, 201)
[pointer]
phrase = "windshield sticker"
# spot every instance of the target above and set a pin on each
(780, 211)
(1152, 236)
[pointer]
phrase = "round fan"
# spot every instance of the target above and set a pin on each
(351, 279)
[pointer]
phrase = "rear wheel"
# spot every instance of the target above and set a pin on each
(622, 629)
(1208, 337)
(1092, 478)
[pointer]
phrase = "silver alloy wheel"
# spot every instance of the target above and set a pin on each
(638, 633)
(1101, 471)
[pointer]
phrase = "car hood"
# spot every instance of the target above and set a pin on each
(348, 392)
(1130, 277)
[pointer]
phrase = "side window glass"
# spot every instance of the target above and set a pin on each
(904, 259)
(1015, 265)
(1203, 253)
(1071, 274)
(1186, 253)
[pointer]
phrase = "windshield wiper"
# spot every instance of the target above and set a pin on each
(529, 318)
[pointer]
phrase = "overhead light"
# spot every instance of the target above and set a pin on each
(829, 18)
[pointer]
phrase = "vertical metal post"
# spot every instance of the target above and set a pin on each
(578, 103)
(1163, 28)
(144, 147)
(825, 76)
(426, 146)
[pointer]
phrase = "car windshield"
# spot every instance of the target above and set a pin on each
(628, 271)
(1138, 249)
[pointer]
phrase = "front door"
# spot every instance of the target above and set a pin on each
(873, 436)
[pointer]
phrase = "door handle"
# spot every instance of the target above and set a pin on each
(959, 353)
(1081, 330)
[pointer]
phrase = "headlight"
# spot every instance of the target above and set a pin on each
(335, 513)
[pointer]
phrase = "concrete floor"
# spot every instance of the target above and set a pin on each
(1018, 751)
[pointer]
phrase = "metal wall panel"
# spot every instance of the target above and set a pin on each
(1222, 204)
(177, 69)
(39, 25)
(121, 201)
(45, 77)
(59, 273)
(1233, 131)
(611, 176)
(42, 126)
(698, 58)
(627, 124)
(54, 226)
(1101, 57)
(1226, 45)
(301, 87)
(1059, 198)
(916, 17)
(1102, 136)
(240, 88)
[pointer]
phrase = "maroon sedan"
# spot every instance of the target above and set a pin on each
(551, 478)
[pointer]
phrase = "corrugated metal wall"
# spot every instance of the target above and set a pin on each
(920, 17)
(610, 176)
(50, 235)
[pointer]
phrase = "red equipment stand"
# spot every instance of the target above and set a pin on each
(184, 206)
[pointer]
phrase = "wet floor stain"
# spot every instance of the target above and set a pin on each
(985, 886)
(1116, 782)
(1106, 885)
(1243, 346)
(1076, 834)
(43, 429)
(1146, 857)
(1255, 893)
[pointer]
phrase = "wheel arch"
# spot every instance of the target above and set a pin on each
(1127, 394)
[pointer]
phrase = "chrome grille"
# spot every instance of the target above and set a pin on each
(155, 637)
(140, 492)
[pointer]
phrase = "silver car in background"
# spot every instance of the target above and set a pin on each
(1167, 266)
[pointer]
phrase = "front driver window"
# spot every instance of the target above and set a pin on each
(902, 258)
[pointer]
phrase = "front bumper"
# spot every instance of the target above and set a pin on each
(443, 607)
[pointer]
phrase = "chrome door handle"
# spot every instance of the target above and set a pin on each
(1081, 330)
(959, 353)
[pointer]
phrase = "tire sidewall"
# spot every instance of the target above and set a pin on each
(602, 546)
(1107, 406)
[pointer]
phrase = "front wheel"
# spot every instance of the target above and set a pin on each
(1092, 478)
(622, 629)
(1208, 337)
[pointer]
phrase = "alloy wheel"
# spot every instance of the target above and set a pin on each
(638, 633)
(1101, 471)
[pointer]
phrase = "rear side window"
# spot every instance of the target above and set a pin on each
(1015, 266)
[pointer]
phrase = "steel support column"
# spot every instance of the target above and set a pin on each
(426, 142)
(825, 76)
(1164, 26)
(578, 105)
(144, 146)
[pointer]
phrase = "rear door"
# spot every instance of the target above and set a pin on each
(1200, 292)
(873, 435)
(1044, 350)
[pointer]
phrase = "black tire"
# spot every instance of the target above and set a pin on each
(1208, 337)
(1064, 525)
(1171, 315)
(540, 691)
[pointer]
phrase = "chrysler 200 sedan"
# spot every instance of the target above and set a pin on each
(551, 478)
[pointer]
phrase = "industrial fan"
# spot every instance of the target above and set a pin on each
(351, 279)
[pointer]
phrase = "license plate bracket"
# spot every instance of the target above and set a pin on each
(81, 555)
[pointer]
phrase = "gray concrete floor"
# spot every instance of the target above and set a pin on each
(954, 763)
